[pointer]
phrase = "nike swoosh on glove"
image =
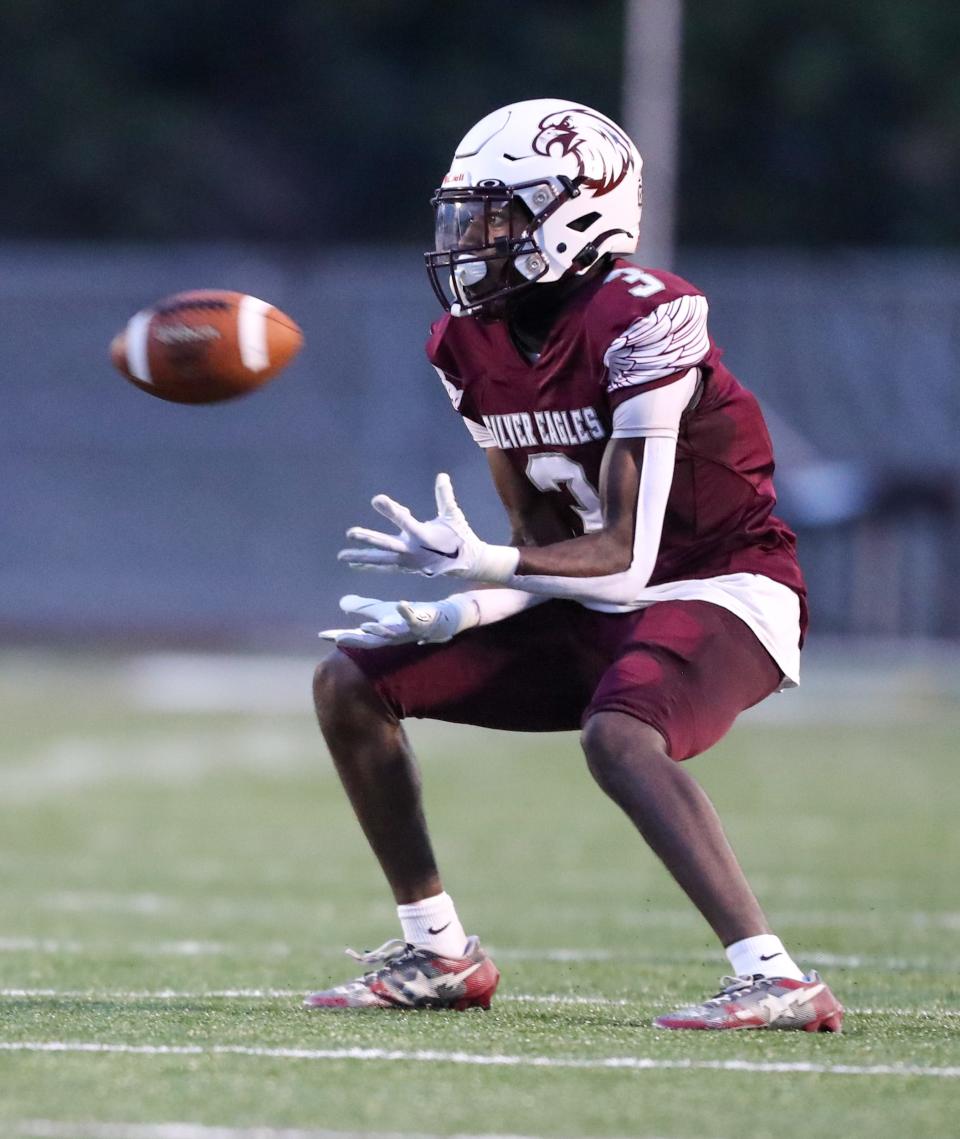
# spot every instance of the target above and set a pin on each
(401, 622)
(446, 545)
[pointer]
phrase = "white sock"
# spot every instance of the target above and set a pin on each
(433, 924)
(763, 954)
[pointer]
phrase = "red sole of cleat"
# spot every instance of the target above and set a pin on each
(473, 1002)
(833, 1022)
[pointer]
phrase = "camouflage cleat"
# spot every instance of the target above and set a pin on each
(764, 1002)
(407, 977)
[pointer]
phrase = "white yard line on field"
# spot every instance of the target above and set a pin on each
(384, 1055)
(169, 758)
(106, 901)
(931, 1013)
(154, 994)
(151, 905)
(188, 948)
(568, 999)
(837, 960)
(272, 994)
(220, 683)
(84, 901)
(196, 948)
(56, 1129)
(40, 945)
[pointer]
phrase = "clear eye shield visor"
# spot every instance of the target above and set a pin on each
(484, 249)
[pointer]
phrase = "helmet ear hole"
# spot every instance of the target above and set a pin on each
(583, 222)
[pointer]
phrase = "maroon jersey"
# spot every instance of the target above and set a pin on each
(624, 332)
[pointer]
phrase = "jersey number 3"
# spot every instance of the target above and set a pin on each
(643, 284)
(553, 471)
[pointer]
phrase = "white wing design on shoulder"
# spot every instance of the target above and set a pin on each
(482, 435)
(670, 339)
(455, 394)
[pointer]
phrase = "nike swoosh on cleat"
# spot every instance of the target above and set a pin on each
(430, 929)
(450, 979)
(442, 553)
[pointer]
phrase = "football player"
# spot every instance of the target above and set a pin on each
(649, 594)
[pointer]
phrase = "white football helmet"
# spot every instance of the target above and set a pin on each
(537, 191)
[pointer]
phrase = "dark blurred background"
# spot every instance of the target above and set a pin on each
(814, 124)
(290, 150)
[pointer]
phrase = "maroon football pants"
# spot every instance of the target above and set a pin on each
(687, 668)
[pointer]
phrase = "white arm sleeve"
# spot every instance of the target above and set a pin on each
(655, 413)
(491, 605)
(655, 417)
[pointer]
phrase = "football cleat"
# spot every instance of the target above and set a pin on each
(763, 1002)
(405, 976)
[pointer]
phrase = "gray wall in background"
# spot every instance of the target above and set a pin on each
(126, 517)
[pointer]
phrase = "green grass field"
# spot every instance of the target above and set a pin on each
(173, 880)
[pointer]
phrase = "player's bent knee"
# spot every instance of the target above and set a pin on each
(611, 740)
(340, 690)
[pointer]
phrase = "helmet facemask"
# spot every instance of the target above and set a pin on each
(485, 250)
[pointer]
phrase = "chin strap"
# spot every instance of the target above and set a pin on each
(590, 254)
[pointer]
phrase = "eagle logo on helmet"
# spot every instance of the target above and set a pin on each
(604, 154)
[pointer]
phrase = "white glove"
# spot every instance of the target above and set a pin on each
(401, 622)
(446, 545)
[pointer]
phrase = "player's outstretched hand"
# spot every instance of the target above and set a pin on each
(400, 622)
(445, 545)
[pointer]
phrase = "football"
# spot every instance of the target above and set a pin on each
(205, 346)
